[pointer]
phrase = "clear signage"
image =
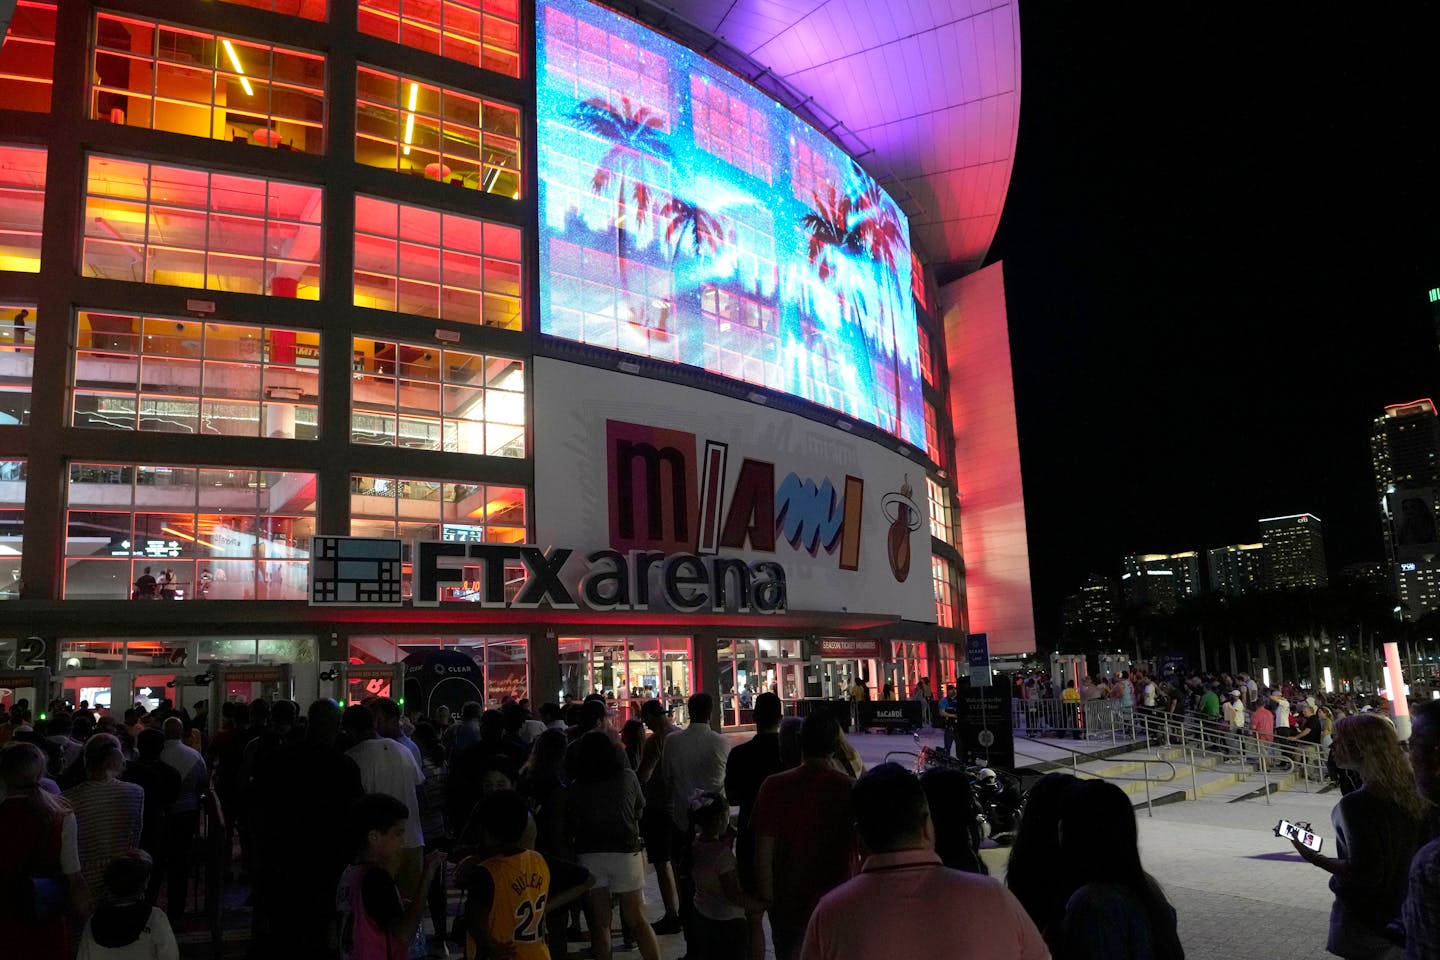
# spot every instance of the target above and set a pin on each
(977, 655)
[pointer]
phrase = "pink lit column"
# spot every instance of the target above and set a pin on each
(1395, 684)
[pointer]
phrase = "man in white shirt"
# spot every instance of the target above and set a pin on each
(693, 762)
(387, 767)
(1148, 696)
(1282, 714)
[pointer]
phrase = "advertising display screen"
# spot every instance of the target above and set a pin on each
(685, 216)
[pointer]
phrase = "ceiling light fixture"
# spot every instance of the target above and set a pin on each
(410, 115)
(235, 62)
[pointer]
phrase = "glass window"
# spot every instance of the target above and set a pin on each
(22, 207)
(162, 77)
(730, 129)
(421, 261)
(27, 60)
(503, 661)
(591, 63)
(435, 510)
(482, 33)
(749, 668)
(167, 375)
(944, 595)
(932, 434)
(927, 360)
(950, 665)
(426, 398)
(437, 133)
(627, 671)
(939, 499)
(12, 526)
(198, 533)
(17, 361)
(305, 9)
(189, 228)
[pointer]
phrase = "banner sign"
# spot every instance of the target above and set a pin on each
(977, 655)
(637, 467)
(984, 725)
(254, 675)
(858, 649)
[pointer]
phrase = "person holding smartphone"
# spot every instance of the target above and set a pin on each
(1378, 828)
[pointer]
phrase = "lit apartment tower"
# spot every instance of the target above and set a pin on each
(1294, 552)
(1092, 615)
(274, 272)
(1159, 580)
(1405, 446)
(1237, 569)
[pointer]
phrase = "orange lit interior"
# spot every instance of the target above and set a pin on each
(22, 207)
(27, 60)
(162, 77)
(304, 9)
(436, 133)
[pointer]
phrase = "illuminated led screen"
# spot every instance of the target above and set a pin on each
(688, 217)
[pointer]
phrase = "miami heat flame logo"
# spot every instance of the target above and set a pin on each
(904, 519)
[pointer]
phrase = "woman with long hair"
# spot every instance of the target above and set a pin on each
(1378, 828)
(955, 814)
(1036, 874)
(632, 738)
(1118, 911)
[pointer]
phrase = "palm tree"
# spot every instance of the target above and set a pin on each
(704, 228)
(633, 133)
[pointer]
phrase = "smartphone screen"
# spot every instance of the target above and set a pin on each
(1300, 834)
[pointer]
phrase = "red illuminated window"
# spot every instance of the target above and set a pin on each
(221, 533)
(932, 434)
(627, 671)
(421, 261)
(598, 65)
(742, 337)
(927, 360)
(166, 375)
(304, 9)
(163, 77)
(423, 398)
(437, 133)
(190, 228)
(917, 281)
(414, 509)
(12, 526)
(729, 129)
(27, 60)
(482, 33)
(811, 172)
(939, 503)
(944, 593)
(22, 207)
(629, 308)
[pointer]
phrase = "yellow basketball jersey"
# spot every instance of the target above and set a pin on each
(515, 926)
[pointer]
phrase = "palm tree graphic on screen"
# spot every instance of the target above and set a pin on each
(688, 218)
(633, 133)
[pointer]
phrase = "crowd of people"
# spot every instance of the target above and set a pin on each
(516, 833)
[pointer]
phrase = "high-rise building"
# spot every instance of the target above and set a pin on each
(1159, 581)
(1091, 615)
(1294, 552)
(1237, 569)
(1375, 575)
(462, 278)
(1405, 448)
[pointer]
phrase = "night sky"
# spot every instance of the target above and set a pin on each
(1217, 244)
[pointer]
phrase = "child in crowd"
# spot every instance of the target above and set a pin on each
(720, 902)
(374, 923)
(125, 926)
(511, 887)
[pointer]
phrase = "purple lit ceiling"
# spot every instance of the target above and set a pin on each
(931, 87)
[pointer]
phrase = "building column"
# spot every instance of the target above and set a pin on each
(544, 657)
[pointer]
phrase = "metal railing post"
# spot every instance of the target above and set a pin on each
(1265, 773)
(1149, 806)
(1194, 781)
(1305, 770)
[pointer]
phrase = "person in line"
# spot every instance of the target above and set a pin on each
(746, 770)
(923, 694)
(184, 818)
(655, 822)
(1378, 829)
(387, 767)
(950, 718)
(1117, 911)
(693, 762)
(955, 815)
(1036, 874)
(512, 890)
(602, 811)
(374, 922)
(109, 814)
(873, 914)
(434, 825)
(162, 788)
(38, 834)
(1420, 914)
(721, 903)
(804, 831)
(126, 926)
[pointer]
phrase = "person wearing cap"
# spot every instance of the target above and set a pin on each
(1234, 715)
(655, 826)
